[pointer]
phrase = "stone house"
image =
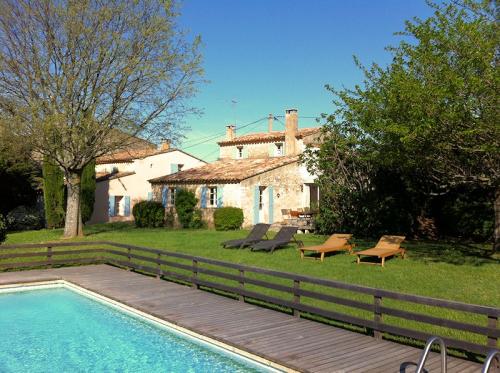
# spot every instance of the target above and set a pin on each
(258, 172)
(122, 178)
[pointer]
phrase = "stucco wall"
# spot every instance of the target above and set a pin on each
(290, 191)
(261, 150)
(137, 186)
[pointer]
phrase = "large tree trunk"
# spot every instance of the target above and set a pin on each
(496, 234)
(73, 223)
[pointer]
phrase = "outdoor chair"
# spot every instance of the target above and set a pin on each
(386, 246)
(256, 234)
(282, 238)
(336, 242)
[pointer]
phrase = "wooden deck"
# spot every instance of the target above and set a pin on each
(299, 344)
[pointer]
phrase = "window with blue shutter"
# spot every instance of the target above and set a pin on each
(271, 205)
(203, 198)
(174, 167)
(126, 207)
(111, 206)
(220, 199)
(164, 196)
(256, 202)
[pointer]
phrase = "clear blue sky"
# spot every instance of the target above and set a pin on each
(269, 55)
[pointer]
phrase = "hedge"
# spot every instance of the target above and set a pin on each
(228, 218)
(149, 214)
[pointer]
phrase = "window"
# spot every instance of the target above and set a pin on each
(279, 149)
(118, 199)
(179, 167)
(212, 196)
(261, 197)
(171, 194)
(240, 152)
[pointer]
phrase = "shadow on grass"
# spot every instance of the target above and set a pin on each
(92, 230)
(457, 253)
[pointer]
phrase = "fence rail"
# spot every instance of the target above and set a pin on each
(166, 264)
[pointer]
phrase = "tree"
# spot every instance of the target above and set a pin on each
(88, 191)
(76, 75)
(53, 195)
(434, 109)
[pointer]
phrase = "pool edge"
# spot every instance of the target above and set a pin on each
(190, 334)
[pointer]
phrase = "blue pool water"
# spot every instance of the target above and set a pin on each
(58, 330)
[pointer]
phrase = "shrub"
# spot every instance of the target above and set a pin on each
(88, 191)
(148, 214)
(53, 195)
(197, 220)
(228, 218)
(24, 218)
(3, 229)
(185, 205)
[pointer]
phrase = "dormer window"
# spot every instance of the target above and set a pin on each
(279, 149)
(240, 152)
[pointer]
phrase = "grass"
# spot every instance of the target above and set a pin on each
(447, 270)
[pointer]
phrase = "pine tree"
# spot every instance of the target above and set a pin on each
(88, 191)
(53, 194)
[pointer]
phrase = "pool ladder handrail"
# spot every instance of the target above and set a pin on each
(489, 358)
(427, 349)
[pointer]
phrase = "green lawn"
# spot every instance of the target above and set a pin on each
(454, 271)
(465, 273)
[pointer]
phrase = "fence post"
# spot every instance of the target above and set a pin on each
(492, 323)
(377, 316)
(296, 296)
(158, 265)
(49, 255)
(129, 258)
(241, 297)
(195, 275)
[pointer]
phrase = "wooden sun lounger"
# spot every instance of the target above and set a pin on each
(336, 242)
(386, 246)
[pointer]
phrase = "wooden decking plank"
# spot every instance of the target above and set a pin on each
(303, 344)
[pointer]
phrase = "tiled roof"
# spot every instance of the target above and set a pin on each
(226, 171)
(101, 176)
(268, 136)
(129, 155)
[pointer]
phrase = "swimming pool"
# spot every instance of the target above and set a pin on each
(57, 329)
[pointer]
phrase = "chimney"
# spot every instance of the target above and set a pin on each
(230, 132)
(291, 130)
(165, 145)
(270, 120)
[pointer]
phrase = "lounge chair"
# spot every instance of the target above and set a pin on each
(256, 234)
(336, 242)
(386, 246)
(282, 238)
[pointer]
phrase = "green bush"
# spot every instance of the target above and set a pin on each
(197, 220)
(185, 205)
(3, 229)
(88, 191)
(24, 218)
(228, 218)
(149, 214)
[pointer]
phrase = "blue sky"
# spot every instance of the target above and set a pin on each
(263, 56)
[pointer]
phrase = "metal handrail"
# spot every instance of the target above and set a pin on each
(427, 349)
(491, 355)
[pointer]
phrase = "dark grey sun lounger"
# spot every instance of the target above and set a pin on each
(282, 238)
(255, 235)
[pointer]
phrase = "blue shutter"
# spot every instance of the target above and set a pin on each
(203, 197)
(150, 196)
(164, 196)
(271, 205)
(220, 197)
(174, 167)
(111, 206)
(256, 204)
(127, 206)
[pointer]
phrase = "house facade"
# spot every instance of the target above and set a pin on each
(259, 173)
(122, 178)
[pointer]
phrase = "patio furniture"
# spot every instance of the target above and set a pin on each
(336, 242)
(386, 246)
(256, 234)
(282, 238)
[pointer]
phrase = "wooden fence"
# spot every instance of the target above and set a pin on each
(167, 264)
